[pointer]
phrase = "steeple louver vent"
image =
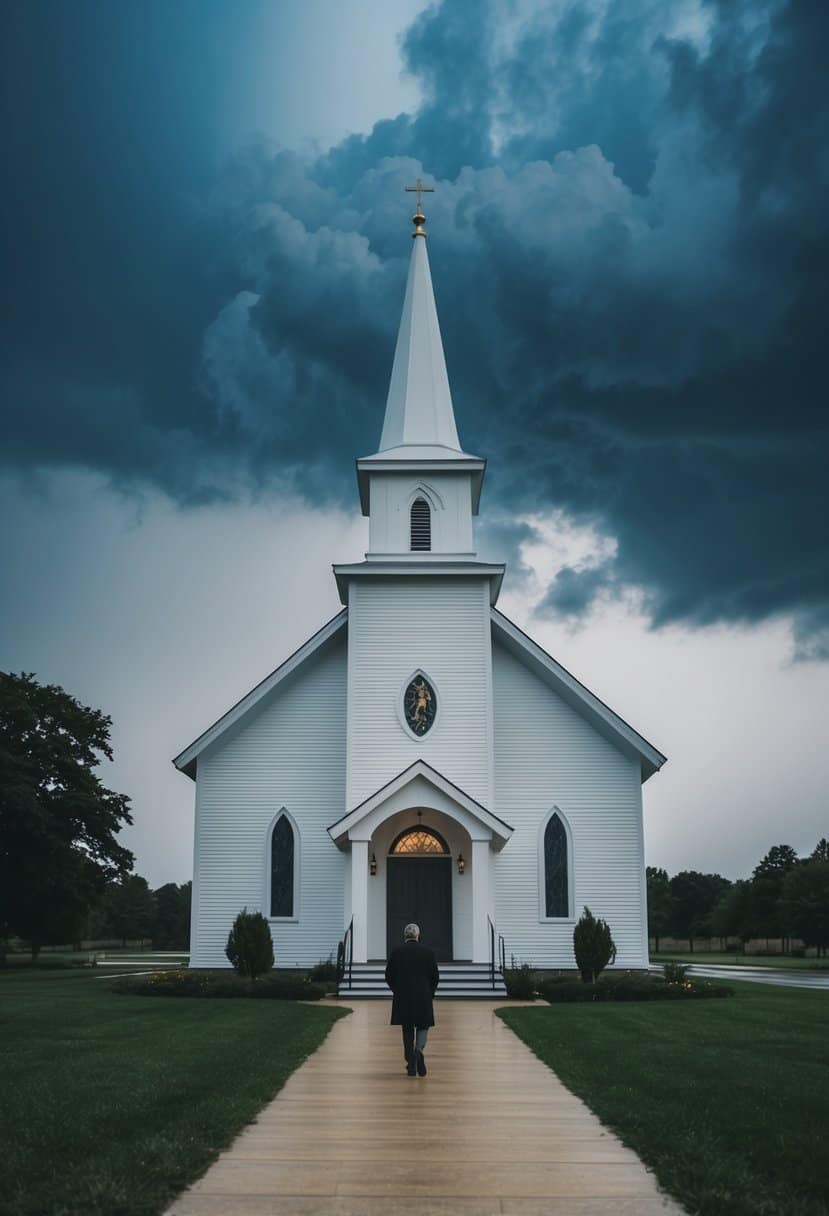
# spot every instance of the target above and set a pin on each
(421, 526)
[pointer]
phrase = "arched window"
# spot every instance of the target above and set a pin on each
(282, 868)
(556, 893)
(419, 842)
(421, 530)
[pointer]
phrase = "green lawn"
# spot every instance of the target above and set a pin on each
(112, 1104)
(726, 1100)
(746, 960)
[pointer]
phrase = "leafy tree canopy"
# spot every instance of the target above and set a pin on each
(805, 900)
(821, 852)
(769, 915)
(659, 902)
(58, 822)
(171, 929)
(778, 861)
(735, 914)
(693, 899)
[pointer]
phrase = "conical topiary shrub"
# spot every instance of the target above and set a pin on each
(593, 946)
(249, 944)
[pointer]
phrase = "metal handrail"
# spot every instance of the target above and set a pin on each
(345, 955)
(491, 951)
(502, 952)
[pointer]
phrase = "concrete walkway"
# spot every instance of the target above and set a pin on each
(489, 1131)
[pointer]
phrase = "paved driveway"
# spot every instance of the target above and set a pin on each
(491, 1131)
(762, 975)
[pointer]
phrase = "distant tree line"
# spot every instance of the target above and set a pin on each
(129, 911)
(63, 873)
(786, 897)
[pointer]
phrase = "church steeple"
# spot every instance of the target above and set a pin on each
(420, 490)
(419, 446)
(419, 404)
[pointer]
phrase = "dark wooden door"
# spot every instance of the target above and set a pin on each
(419, 890)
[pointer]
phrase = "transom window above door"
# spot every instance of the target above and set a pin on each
(420, 841)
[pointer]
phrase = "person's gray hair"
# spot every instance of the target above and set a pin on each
(411, 933)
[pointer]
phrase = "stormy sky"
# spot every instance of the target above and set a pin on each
(205, 248)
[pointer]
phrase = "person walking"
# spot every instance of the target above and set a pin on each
(412, 974)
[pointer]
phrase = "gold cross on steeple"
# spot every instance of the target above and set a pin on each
(419, 219)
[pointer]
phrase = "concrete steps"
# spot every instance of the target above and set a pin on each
(456, 980)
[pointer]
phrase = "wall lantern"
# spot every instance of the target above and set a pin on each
(461, 863)
(372, 866)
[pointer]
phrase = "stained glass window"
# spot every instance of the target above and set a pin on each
(419, 840)
(420, 705)
(421, 525)
(557, 897)
(282, 868)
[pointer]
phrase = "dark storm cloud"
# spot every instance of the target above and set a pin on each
(629, 247)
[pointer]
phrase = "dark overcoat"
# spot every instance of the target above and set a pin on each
(412, 974)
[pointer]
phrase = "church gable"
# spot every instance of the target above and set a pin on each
(332, 633)
(600, 717)
(535, 723)
(293, 724)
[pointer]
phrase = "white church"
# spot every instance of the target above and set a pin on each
(420, 758)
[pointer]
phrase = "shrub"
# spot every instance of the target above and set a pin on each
(520, 981)
(210, 984)
(593, 946)
(249, 944)
(558, 991)
(630, 986)
(324, 972)
(287, 988)
(675, 973)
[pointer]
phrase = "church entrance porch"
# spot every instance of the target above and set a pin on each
(445, 841)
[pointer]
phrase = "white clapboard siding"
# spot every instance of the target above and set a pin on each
(291, 754)
(440, 626)
(547, 755)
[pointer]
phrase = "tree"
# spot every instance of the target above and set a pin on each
(130, 909)
(693, 899)
(821, 851)
(767, 883)
(593, 946)
(805, 898)
(57, 819)
(659, 903)
(171, 927)
(250, 945)
(733, 916)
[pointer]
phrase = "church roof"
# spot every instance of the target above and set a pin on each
(185, 762)
(575, 694)
(419, 769)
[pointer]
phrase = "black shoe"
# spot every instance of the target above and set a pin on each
(410, 1071)
(421, 1064)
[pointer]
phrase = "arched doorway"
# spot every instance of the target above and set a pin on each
(419, 890)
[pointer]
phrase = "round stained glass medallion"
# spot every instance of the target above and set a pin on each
(420, 705)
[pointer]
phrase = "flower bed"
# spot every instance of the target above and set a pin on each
(192, 982)
(630, 986)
